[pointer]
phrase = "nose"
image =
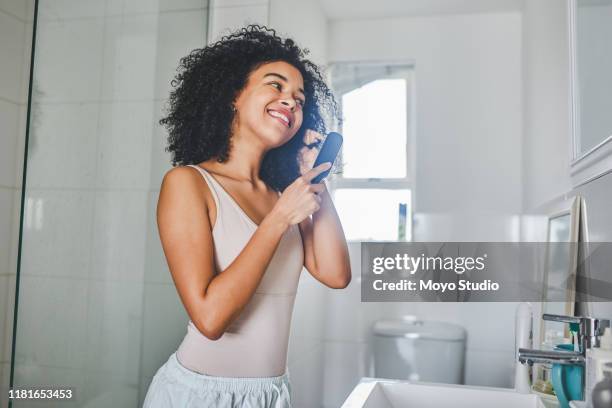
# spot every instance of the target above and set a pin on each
(290, 103)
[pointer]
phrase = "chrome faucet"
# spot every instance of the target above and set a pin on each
(589, 331)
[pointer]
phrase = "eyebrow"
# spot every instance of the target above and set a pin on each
(281, 77)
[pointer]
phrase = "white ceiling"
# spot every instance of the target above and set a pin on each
(358, 9)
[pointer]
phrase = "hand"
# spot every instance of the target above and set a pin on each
(308, 155)
(300, 198)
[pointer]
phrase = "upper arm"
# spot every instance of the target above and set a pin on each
(306, 232)
(309, 256)
(186, 237)
(310, 259)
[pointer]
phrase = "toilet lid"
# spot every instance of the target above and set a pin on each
(418, 329)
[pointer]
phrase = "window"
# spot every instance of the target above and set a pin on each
(375, 127)
(373, 194)
(382, 208)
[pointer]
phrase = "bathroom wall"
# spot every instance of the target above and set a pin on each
(227, 15)
(312, 35)
(546, 139)
(16, 18)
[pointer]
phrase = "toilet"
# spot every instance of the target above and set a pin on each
(416, 350)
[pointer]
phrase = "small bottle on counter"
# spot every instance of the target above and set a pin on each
(602, 392)
(523, 335)
(596, 358)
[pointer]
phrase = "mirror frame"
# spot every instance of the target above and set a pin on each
(572, 207)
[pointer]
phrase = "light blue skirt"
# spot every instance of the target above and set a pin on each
(176, 386)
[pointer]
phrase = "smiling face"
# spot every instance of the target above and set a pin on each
(270, 105)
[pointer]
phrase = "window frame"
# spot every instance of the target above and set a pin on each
(338, 181)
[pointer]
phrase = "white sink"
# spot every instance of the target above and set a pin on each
(377, 393)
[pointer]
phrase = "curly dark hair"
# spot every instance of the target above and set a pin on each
(209, 79)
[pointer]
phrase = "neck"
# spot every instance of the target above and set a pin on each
(245, 159)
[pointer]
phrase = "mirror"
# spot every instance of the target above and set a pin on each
(560, 267)
(591, 62)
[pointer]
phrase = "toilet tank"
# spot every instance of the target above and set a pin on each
(416, 350)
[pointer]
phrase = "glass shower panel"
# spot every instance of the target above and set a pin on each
(97, 308)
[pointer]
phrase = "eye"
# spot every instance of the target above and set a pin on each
(278, 86)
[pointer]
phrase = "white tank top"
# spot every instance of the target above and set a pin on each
(255, 344)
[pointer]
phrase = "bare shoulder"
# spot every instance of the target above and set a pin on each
(181, 176)
(185, 184)
(184, 193)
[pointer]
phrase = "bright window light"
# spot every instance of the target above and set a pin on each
(372, 214)
(374, 130)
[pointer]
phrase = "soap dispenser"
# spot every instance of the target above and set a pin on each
(595, 360)
(523, 335)
(602, 393)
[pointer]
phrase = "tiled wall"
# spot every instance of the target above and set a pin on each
(228, 15)
(16, 17)
(94, 287)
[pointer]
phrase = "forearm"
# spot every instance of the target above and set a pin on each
(329, 242)
(229, 291)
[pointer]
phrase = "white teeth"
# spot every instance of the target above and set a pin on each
(279, 115)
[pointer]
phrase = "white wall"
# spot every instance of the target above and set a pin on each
(16, 18)
(312, 35)
(228, 15)
(546, 140)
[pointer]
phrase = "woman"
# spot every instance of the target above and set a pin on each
(234, 217)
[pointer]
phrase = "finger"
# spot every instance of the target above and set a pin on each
(317, 188)
(309, 175)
